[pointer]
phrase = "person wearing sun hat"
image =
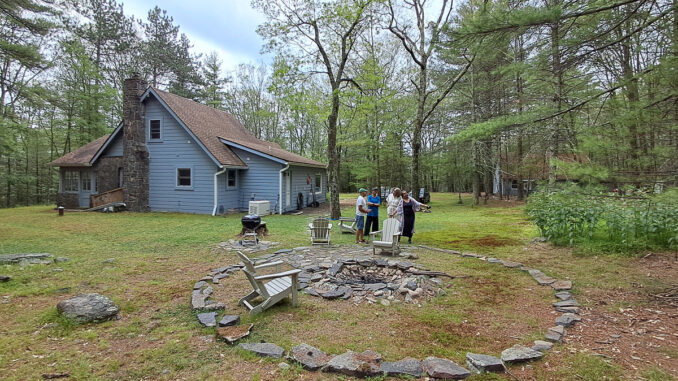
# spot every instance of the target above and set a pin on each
(360, 213)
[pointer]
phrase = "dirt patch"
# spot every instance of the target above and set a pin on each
(486, 241)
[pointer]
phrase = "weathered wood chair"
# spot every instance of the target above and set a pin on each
(320, 229)
(345, 227)
(272, 288)
(390, 233)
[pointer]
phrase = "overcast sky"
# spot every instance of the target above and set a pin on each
(227, 27)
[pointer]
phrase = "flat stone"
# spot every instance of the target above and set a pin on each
(211, 306)
(381, 262)
(479, 363)
(5, 278)
(411, 284)
(88, 308)
(208, 319)
(542, 346)
(334, 270)
(563, 295)
(374, 286)
(229, 320)
(562, 285)
(444, 369)
(61, 259)
(311, 291)
(219, 277)
(109, 260)
(511, 264)
(354, 364)
(9, 259)
(566, 303)
(283, 251)
(283, 365)
(234, 333)
(367, 262)
(558, 329)
(405, 367)
(553, 337)
(470, 255)
(520, 353)
(567, 319)
(263, 349)
(219, 270)
(574, 310)
(494, 260)
(200, 285)
(404, 265)
(337, 292)
(309, 357)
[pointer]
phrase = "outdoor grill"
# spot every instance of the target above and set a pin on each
(250, 223)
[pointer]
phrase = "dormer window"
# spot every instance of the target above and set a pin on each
(154, 129)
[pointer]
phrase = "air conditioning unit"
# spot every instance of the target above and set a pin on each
(261, 208)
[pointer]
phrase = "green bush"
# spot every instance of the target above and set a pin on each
(631, 222)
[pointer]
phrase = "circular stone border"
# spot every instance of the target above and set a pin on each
(369, 363)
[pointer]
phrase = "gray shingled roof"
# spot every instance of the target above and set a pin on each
(208, 125)
(82, 156)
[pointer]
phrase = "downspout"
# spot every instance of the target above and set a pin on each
(280, 204)
(216, 190)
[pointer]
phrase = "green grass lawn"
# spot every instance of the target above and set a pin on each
(158, 257)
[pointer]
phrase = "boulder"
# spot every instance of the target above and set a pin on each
(89, 308)
(405, 367)
(263, 349)
(444, 369)
(354, 364)
(234, 333)
(309, 357)
(479, 363)
(520, 353)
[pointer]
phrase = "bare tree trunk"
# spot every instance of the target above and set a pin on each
(333, 156)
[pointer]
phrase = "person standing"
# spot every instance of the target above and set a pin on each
(372, 221)
(360, 213)
(393, 200)
(407, 207)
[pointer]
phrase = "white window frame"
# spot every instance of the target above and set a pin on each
(235, 175)
(160, 124)
(76, 180)
(318, 189)
(176, 178)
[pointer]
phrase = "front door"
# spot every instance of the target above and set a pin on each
(86, 179)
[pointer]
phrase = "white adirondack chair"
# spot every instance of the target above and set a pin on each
(271, 287)
(345, 227)
(390, 233)
(320, 231)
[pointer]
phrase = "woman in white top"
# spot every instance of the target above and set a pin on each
(393, 201)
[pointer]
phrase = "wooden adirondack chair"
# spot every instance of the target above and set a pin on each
(320, 231)
(271, 287)
(345, 227)
(390, 233)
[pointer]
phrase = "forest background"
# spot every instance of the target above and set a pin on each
(439, 94)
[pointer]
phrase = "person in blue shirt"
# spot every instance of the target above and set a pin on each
(373, 202)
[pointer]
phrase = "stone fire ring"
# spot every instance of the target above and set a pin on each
(351, 272)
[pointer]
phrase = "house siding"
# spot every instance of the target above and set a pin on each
(229, 198)
(259, 181)
(114, 148)
(177, 150)
(298, 185)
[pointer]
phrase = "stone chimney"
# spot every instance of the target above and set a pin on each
(135, 154)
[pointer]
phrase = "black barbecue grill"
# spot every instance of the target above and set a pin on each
(250, 223)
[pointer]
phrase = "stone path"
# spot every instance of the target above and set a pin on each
(352, 272)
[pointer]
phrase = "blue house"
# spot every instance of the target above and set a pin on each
(173, 154)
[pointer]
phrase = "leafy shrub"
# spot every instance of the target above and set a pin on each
(633, 221)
